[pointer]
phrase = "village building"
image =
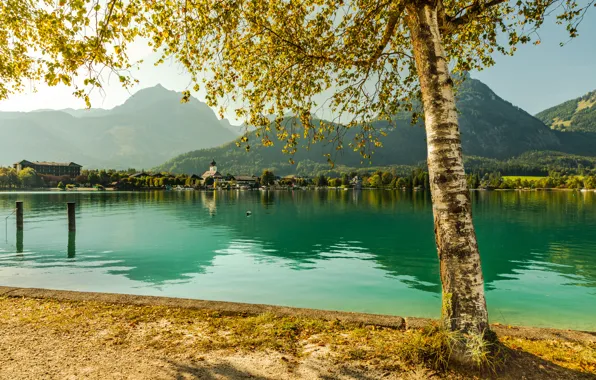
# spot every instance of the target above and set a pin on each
(213, 173)
(139, 175)
(57, 169)
(246, 180)
(356, 182)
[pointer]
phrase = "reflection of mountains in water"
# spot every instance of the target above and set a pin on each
(184, 232)
(394, 229)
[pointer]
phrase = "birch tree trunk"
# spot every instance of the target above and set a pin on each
(464, 305)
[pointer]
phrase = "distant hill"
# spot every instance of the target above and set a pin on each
(490, 127)
(149, 128)
(577, 115)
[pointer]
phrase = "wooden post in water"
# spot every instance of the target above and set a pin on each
(71, 250)
(71, 217)
(19, 212)
(19, 241)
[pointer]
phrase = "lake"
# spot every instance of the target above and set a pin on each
(368, 251)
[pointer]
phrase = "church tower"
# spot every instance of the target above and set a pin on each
(213, 167)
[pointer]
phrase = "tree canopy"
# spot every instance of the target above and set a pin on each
(268, 58)
(63, 41)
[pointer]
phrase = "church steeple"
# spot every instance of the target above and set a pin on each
(213, 167)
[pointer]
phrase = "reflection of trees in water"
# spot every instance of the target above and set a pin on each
(393, 229)
(517, 230)
(303, 227)
(175, 254)
(573, 262)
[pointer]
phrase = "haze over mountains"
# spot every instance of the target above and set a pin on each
(490, 126)
(153, 129)
(149, 128)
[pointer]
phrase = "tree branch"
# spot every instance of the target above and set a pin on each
(453, 23)
(389, 31)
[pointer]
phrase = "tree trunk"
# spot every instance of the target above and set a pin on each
(464, 305)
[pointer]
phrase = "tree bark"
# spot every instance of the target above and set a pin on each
(464, 305)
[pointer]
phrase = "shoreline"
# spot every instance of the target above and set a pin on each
(230, 308)
(63, 334)
(111, 189)
(223, 307)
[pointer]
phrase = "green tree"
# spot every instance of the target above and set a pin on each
(267, 178)
(473, 181)
(375, 181)
(574, 182)
(345, 180)
(27, 177)
(387, 178)
(3, 178)
(93, 178)
(321, 180)
(76, 38)
(12, 177)
(104, 177)
(376, 58)
(82, 179)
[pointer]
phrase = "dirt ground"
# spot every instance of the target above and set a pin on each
(51, 339)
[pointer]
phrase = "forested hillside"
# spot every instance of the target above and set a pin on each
(491, 128)
(577, 115)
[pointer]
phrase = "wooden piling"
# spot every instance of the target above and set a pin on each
(71, 216)
(19, 241)
(71, 250)
(19, 212)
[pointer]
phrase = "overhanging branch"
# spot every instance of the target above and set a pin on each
(473, 11)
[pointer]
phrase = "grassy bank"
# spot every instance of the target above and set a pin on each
(98, 340)
(523, 177)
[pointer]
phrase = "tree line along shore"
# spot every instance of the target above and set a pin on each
(418, 178)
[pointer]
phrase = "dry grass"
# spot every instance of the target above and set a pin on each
(180, 331)
(572, 355)
(583, 104)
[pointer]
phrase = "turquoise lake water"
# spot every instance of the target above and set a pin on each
(368, 251)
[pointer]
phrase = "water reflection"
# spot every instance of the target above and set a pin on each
(167, 239)
(19, 240)
(71, 248)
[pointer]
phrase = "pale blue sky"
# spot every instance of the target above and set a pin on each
(541, 76)
(536, 78)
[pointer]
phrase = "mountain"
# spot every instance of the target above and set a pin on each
(577, 115)
(490, 127)
(149, 128)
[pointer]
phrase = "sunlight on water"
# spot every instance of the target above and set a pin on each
(370, 251)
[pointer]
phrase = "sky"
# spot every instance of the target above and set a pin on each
(536, 78)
